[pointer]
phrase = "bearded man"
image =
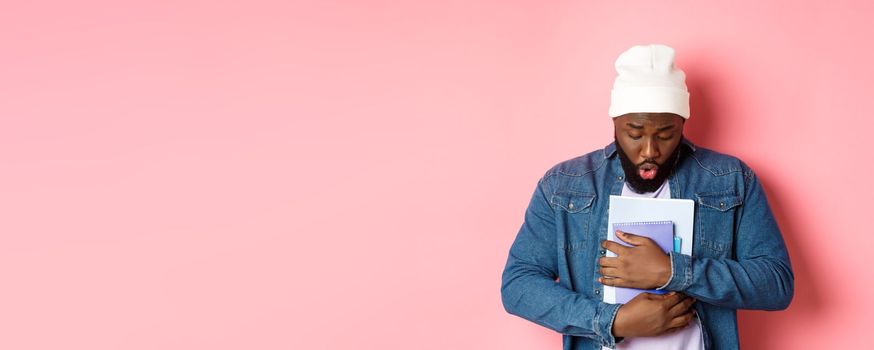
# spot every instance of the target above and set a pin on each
(557, 266)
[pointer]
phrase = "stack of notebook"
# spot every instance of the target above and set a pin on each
(669, 222)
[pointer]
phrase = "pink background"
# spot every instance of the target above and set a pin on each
(331, 175)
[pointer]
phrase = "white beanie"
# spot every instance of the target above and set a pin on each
(647, 81)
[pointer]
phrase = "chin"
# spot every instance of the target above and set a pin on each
(646, 185)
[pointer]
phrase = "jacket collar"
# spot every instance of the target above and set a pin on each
(610, 150)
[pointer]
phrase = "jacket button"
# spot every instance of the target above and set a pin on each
(570, 205)
(597, 291)
(602, 251)
(721, 205)
(620, 178)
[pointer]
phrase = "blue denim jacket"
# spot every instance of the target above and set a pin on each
(739, 259)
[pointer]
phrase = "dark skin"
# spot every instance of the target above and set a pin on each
(646, 138)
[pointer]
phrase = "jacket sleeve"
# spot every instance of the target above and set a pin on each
(759, 276)
(529, 288)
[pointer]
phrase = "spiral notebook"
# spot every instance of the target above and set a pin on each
(662, 232)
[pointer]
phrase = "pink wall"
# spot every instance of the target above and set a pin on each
(325, 175)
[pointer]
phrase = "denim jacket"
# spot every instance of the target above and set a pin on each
(739, 258)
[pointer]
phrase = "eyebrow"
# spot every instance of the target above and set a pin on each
(661, 128)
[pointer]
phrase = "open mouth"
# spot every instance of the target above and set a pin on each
(648, 171)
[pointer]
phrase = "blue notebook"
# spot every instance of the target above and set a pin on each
(662, 232)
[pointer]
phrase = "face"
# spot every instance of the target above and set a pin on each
(648, 146)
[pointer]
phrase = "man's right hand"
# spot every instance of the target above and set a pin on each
(648, 315)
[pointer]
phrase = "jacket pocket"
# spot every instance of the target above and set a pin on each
(716, 215)
(573, 202)
(574, 211)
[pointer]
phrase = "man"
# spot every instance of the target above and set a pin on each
(557, 269)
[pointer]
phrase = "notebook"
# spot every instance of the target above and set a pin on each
(662, 232)
(633, 209)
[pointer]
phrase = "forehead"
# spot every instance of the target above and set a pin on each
(648, 119)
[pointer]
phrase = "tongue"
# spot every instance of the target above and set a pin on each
(648, 174)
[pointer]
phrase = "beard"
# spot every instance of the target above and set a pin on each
(639, 184)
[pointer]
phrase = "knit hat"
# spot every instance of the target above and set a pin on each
(647, 81)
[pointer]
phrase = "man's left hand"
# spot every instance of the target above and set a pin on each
(643, 265)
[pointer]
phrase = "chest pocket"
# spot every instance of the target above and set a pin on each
(574, 209)
(573, 202)
(716, 214)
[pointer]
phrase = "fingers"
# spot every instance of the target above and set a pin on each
(682, 307)
(681, 321)
(615, 247)
(631, 238)
(611, 281)
(672, 330)
(660, 298)
(671, 299)
(609, 272)
(608, 261)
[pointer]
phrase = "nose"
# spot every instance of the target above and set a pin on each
(650, 150)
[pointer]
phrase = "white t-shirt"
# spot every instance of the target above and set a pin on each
(688, 338)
